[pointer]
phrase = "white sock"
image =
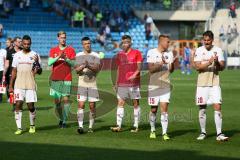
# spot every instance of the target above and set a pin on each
(120, 114)
(137, 113)
(218, 121)
(91, 119)
(32, 116)
(152, 120)
(18, 118)
(164, 122)
(80, 116)
(202, 120)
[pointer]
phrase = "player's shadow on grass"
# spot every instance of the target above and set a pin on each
(177, 133)
(229, 133)
(29, 151)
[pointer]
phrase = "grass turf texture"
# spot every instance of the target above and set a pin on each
(50, 142)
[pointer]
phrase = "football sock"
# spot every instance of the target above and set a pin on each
(164, 122)
(120, 115)
(218, 121)
(202, 120)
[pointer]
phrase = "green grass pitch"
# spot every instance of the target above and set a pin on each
(50, 142)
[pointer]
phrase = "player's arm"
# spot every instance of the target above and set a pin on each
(95, 67)
(51, 60)
(79, 67)
(70, 62)
(136, 73)
(220, 65)
(154, 67)
(171, 64)
(203, 66)
(37, 69)
(171, 67)
(13, 78)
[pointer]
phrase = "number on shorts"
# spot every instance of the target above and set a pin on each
(200, 99)
(78, 96)
(16, 96)
(152, 100)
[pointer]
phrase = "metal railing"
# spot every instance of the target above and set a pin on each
(185, 5)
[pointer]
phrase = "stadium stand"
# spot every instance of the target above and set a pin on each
(42, 26)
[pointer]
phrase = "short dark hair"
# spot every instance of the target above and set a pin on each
(26, 37)
(126, 37)
(208, 34)
(163, 36)
(86, 39)
(15, 38)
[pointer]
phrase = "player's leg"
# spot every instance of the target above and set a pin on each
(152, 120)
(135, 96)
(81, 98)
(120, 115)
(136, 115)
(201, 101)
(32, 117)
(66, 110)
(153, 101)
(164, 119)
(202, 121)
(80, 115)
(122, 94)
(92, 115)
(216, 98)
(188, 68)
(65, 92)
(93, 97)
(19, 97)
(31, 98)
(57, 101)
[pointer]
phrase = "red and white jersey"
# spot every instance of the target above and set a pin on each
(127, 64)
(61, 70)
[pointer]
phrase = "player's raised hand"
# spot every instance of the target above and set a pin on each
(35, 58)
(211, 60)
(215, 58)
(164, 60)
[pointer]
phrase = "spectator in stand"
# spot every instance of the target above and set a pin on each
(217, 4)
(1, 4)
(234, 30)
(229, 32)
(98, 18)
(101, 38)
(113, 23)
(148, 25)
(194, 4)
(232, 9)
(88, 4)
(78, 18)
(221, 33)
(167, 4)
(107, 31)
